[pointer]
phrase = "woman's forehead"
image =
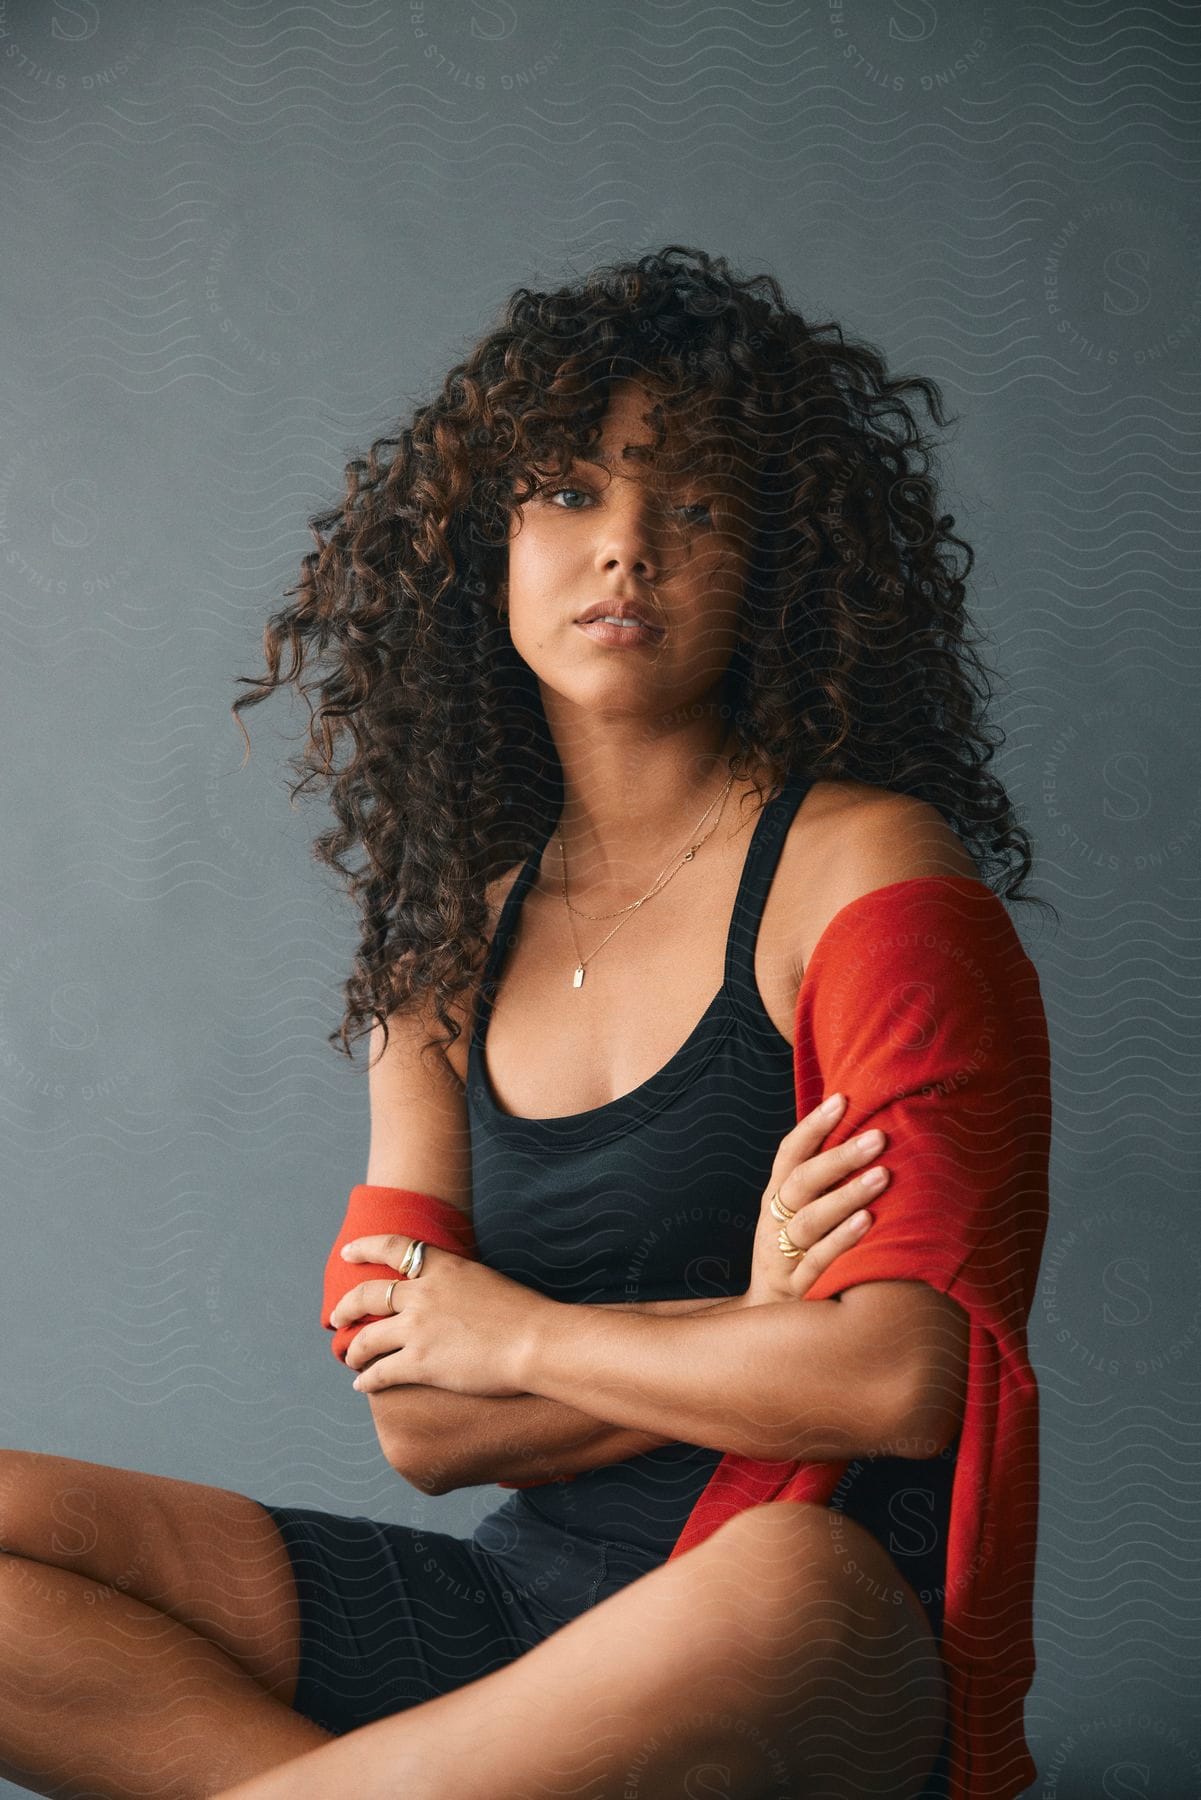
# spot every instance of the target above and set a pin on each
(678, 459)
(638, 438)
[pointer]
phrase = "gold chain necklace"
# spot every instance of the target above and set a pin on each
(687, 857)
(659, 882)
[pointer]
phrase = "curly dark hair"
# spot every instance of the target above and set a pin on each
(856, 658)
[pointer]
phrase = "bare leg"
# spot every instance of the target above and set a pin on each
(758, 1665)
(101, 1694)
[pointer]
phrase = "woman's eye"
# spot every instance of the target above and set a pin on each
(695, 506)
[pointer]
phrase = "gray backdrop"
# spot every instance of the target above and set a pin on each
(238, 242)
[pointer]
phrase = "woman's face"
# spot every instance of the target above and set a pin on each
(621, 532)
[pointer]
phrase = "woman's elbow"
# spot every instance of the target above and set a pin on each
(921, 1388)
(426, 1479)
(420, 1465)
(927, 1426)
(406, 1448)
(930, 1415)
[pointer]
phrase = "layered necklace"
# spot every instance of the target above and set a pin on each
(659, 883)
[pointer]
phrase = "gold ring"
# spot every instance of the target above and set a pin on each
(779, 1211)
(786, 1244)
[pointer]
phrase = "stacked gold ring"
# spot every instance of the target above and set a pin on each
(410, 1268)
(779, 1211)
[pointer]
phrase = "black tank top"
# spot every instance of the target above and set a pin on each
(652, 1196)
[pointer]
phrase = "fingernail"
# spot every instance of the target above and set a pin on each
(860, 1219)
(830, 1106)
(871, 1140)
(345, 1250)
(873, 1178)
(357, 1382)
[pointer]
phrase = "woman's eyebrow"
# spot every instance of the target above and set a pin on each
(621, 465)
(605, 460)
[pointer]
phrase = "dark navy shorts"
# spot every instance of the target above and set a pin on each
(391, 1615)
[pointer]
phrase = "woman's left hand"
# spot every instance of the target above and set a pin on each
(459, 1326)
(805, 1178)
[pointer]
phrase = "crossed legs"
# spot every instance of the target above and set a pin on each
(151, 1647)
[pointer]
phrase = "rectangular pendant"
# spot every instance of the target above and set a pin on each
(578, 977)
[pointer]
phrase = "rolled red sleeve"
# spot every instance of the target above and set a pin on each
(370, 1212)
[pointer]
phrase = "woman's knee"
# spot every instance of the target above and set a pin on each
(809, 1595)
(832, 1643)
(798, 1556)
(776, 1565)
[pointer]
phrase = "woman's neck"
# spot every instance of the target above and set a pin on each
(613, 854)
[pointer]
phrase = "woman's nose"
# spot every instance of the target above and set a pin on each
(631, 540)
(641, 568)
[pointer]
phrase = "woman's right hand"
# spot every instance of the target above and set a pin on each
(825, 1189)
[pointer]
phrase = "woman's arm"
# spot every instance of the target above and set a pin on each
(446, 1441)
(781, 1381)
(529, 1438)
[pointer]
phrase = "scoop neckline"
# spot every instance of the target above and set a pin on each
(643, 1100)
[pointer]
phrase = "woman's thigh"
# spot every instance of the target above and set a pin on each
(349, 1617)
(209, 1557)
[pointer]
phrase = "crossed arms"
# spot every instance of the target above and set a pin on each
(771, 1381)
(855, 1374)
(441, 1441)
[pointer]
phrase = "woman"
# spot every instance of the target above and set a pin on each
(788, 744)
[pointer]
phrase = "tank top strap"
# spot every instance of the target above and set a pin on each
(762, 857)
(502, 940)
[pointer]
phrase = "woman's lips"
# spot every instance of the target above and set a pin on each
(620, 637)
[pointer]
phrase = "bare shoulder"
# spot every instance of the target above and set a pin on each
(854, 838)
